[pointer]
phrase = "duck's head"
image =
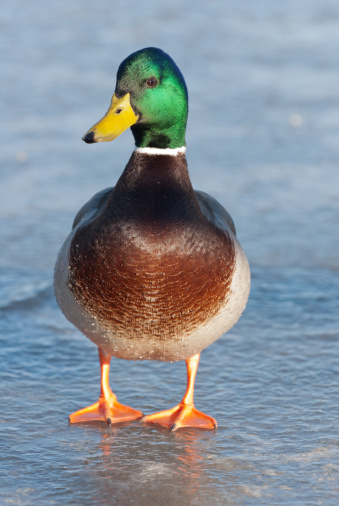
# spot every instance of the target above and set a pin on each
(150, 97)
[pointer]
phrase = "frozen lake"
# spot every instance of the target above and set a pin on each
(263, 81)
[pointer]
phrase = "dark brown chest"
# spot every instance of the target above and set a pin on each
(142, 285)
(151, 264)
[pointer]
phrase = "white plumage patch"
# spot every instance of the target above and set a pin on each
(158, 151)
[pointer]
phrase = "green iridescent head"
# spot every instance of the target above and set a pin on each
(151, 98)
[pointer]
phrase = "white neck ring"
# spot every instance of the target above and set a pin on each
(159, 151)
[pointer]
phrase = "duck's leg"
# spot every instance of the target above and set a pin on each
(107, 408)
(184, 414)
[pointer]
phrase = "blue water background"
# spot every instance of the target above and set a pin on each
(263, 138)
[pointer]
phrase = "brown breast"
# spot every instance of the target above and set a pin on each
(141, 275)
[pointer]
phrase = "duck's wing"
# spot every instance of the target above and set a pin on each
(93, 207)
(214, 211)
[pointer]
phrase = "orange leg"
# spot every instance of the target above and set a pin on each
(107, 408)
(184, 414)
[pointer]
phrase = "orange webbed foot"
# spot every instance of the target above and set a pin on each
(182, 415)
(107, 409)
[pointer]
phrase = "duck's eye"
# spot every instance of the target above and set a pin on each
(152, 82)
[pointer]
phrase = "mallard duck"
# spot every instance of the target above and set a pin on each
(152, 270)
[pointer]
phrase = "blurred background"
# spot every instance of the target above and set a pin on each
(262, 137)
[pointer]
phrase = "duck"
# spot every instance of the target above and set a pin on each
(152, 269)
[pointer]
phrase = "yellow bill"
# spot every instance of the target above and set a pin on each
(118, 118)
